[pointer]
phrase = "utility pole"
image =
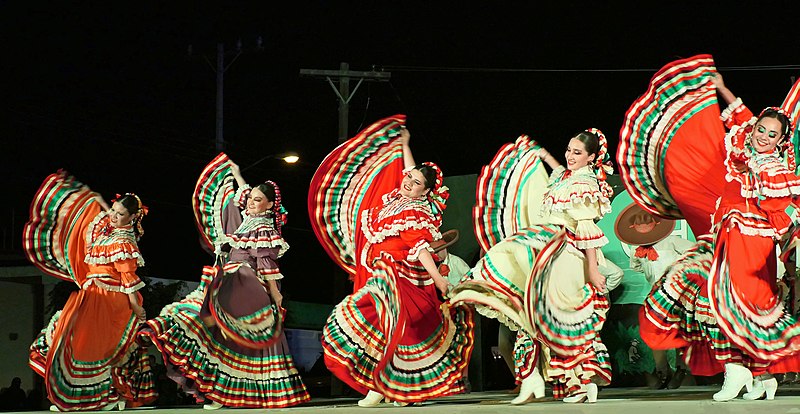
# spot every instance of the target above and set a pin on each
(342, 91)
(343, 76)
(220, 68)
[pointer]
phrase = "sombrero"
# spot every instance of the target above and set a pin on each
(626, 234)
(448, 238)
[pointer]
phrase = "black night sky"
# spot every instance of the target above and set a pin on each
(107, 91)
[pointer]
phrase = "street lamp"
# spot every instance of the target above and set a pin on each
(289, 157)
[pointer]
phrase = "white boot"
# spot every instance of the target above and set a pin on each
(213, 406)
(736, 377)
(372, 399)
(587, 393)
(532, 386)
(763, 385)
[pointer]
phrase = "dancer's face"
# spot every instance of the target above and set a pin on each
(767, 134)
(413, 184)
(257, 202)
(118, 215)
(576, 155)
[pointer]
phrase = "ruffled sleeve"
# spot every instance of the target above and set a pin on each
(736, 151)
(97, 227)
(240, 197)
(587, 234)
(266, 264)
(556, 174)
(113, 250)
(735, 114)
(130, 282)
(580, 191)
(379, 224)
(776, 181)
(417, 240)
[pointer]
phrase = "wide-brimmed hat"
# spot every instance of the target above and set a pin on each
(626, 233)
(448, 238)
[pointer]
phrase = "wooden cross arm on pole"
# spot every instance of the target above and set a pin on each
(367, 75)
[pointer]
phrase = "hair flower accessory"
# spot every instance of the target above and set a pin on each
(439, 193)
(278, 211)
(602, 163)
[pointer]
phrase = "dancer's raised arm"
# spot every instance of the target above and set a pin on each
(408, 158)
(548, 158)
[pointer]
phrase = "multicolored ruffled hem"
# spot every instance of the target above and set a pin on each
(568, 375)
(526, 356)
(206, 364)
(366, 340)
(677, 314)
(496, 285)
(509, 192)
(61, 212)
(351, 179)
(768, 333)
(671, 151)
(567, 329)
(255, 323)
(212, 195)
(77, 385)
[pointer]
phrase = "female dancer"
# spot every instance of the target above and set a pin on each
(87, 354)
(548, 279)
(231, 348)
(392, 338)
(720, 300)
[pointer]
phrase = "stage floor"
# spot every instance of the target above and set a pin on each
(685, 400)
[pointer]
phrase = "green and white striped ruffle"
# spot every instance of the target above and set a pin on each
(260, 380)
(769, 333)
(369, 354)
(792, 105)
(212, 194)
(675, 94)
(342, 187)
(509, 192)
(75, 385)
(495, 286)
(566, 331)
(57, 224)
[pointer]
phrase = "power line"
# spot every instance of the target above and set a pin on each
(568, 70)
(343, 76)
(164, 136)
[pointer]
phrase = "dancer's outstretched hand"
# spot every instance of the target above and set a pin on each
(542, 153)
(405, 136)
(716, 79)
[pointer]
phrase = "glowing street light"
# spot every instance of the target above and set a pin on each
(287, 157)
(290, 158)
